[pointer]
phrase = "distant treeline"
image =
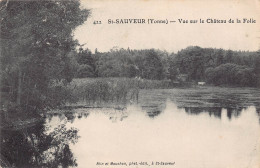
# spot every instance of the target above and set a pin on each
(193, 64)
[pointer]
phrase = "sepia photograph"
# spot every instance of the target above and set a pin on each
(130, 83)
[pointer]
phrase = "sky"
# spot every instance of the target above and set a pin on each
(170, 37)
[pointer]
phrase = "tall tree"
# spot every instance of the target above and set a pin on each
(153, 67)
(220, 57)
(191, 61)
(36, 40)
(229, 56)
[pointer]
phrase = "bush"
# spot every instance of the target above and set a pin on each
(231, 74)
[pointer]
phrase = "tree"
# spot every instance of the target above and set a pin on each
(220, 57)
(173, 69)
(36, 41)
(231, 74)
(191, 61)
(153, 68)
(229, 56)
(87, 64)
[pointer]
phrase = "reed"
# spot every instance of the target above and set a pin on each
(93, 91)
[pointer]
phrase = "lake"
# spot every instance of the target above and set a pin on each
(209, 127)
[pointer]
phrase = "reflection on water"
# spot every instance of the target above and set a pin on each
(190, 137)
(190, 132)
(34, 147)
(215, 111)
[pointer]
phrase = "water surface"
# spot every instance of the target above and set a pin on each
(212, 128)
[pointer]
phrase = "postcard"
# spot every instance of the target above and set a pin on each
(130, 83)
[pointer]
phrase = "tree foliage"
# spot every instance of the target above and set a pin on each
(197, 63)
(36, 41)
(125, 63)
(218, 66)
(231, 74)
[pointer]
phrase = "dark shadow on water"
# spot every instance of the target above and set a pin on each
(234, 112)
(34, 147)
(154, 113)
(215, 111)
(68, 116)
